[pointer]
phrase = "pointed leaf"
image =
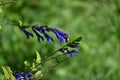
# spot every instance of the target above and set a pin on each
(8, 73)
(27, 63)
(38, 74)
(20, 22)
(38, 58)
(0, 27)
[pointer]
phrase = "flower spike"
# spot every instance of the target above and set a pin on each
(28, 34)
(61, 36)
(38, 35)
(42, 30)
(20, 76)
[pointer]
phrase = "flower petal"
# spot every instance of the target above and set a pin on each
(62, 37)
(28, 34)
(39, 37)
(42, 30)
(49, 38)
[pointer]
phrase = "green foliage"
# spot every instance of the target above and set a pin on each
(96, 20)
(38, 75)
(8, 73)
(0, 27)
(38, 58)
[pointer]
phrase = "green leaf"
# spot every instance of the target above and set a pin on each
(8, 74)
(27, 63)
(38, 74)
(38, 58)
(20, 22)
(0, 27)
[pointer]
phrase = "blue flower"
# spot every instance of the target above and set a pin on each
(28, 34)
(49, 38)
(25, 76)
(73, 45)
(62, 37)
(72, 52)
(38, 36)
(68, 51)
(42, 29)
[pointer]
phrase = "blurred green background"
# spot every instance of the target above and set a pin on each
(98, 21)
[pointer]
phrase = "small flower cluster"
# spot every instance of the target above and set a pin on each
(41, 31)
(25, 76)
(73, 45)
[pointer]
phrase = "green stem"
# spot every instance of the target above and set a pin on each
(80, 38)
(58, 64)
(10, 2)
(7, 22)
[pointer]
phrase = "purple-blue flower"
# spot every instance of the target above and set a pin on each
(38, 36)
(28, 34)
(72, 52)
(49, 38)
(62, 37)
(42, 30)
(69, 51)
(71, 48)
(25, 76)
(38, 30)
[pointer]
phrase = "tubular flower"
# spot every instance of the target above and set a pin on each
(71, 48)
(68, 51)
(38, 36)
(28, 34)
(72, 52)
(20, 76)
(42, 29)
(61, 36)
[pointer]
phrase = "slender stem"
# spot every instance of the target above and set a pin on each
(7, 22)
(10, 2)
(57, 64)
(57, 50)
(15, 24)
(63, 46)
(53, 57)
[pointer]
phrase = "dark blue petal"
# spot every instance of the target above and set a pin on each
(62, 37)
(25, 76)
(28, 34)
(39, 36)
(49, 38)
(29, 74)
(62, 33)
(42, 29)
(76, 51)
(71, 53)
(18, 77)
